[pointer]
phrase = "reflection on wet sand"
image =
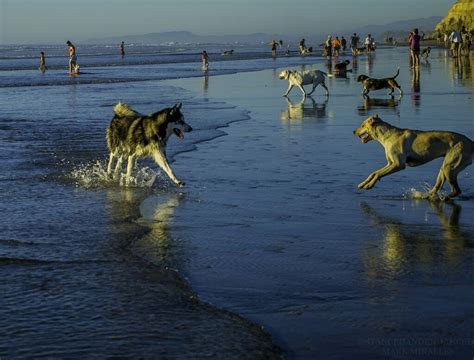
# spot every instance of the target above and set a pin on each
(369, 104)
(157, 214)
(406, 246)
(205, 83)
(415, 87)
(306, 108)
(461, 69)
(150, 215)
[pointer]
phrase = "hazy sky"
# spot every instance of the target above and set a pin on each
(53, 21)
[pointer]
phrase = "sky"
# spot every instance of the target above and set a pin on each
(53, 21)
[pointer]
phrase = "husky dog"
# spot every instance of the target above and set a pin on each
(134, 135)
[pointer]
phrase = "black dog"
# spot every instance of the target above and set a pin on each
(377, 84)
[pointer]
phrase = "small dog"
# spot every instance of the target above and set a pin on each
(426, 52)
(405, 147)
(300, 78)
(306, 51)
(377, 84)
(227, 52)
(134, 135)
(358, 50)
(341, 67)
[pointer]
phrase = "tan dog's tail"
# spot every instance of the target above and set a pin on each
(398, 72)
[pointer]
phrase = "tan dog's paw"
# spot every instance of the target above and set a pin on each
(180, 184)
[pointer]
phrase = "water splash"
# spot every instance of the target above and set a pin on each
(414, 194)
(94, 175)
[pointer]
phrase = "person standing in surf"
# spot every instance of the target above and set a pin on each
(42, 66)
(122, 49)
(73, 67)
(205, 61)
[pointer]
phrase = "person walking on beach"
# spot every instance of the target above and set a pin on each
(456, 40)
(302, 46)
(343, 44)
(336, 46)
(328, 46)
(42, 66)
(205, 61)
(414, 43)
(354, 43)
(73, 67)
(466, 41)
(122, 49)
(274, 47)
(369, 43)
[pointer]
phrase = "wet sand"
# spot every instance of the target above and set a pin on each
(276, 230)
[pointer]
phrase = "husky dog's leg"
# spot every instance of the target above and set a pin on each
(111, 161)
(288, 91)
(130, 165)
(118, 166)
(160, 159)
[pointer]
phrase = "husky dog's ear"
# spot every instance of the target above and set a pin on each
(175, 108)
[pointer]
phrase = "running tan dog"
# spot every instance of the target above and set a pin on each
(300, 78)
(404, 147)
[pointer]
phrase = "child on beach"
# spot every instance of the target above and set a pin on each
(205, 61)
(42, 66)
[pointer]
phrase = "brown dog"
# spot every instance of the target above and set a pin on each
(377, 84)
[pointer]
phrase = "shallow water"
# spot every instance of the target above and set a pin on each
(88, 267)
(280, 233)
(270, 225)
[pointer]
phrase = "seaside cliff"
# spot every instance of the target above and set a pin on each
(461, 14)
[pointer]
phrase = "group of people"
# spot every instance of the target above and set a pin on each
(73, 66)
(459, 42)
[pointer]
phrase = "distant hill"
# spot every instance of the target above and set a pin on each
(399, 27)
(186, 37)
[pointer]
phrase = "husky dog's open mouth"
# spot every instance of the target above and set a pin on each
(178, 133)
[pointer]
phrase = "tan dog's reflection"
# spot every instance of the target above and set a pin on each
(407, 245)
(306, 108)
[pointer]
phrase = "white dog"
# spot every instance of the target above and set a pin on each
(300, 78)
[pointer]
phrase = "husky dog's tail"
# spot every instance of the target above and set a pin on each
(123, 110)
(398, 72)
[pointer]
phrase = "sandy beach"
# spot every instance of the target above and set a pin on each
(276, 229)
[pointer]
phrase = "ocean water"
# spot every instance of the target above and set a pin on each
(88, 267)
(269, 231)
